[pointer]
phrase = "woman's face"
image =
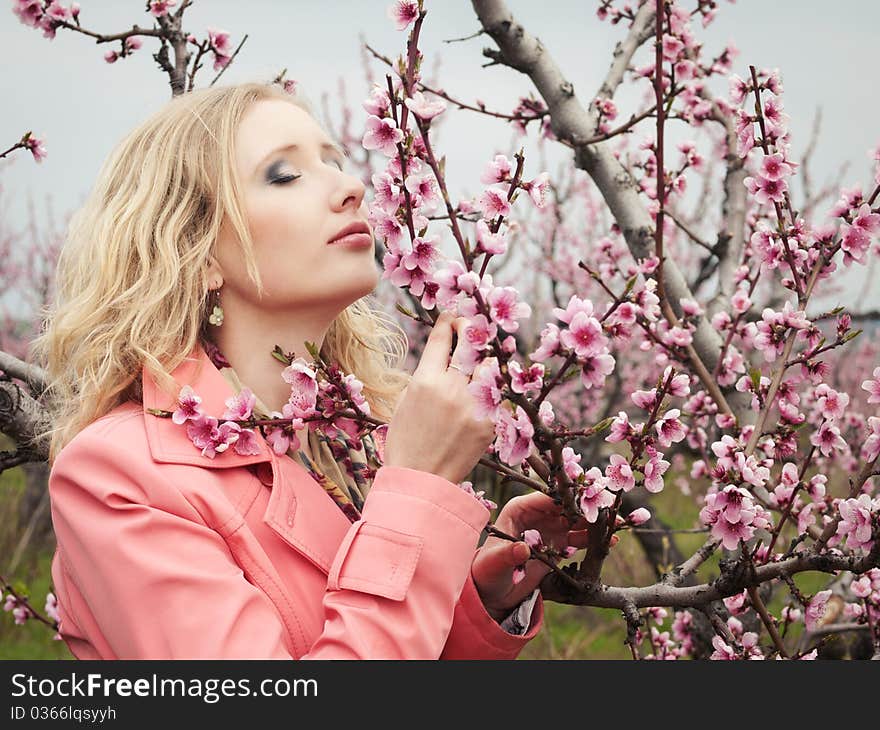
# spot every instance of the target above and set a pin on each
(296, 199)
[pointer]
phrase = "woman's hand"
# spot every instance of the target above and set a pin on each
(495, 561)
(434, 428)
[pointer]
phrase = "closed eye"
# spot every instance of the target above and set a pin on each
(283, 179)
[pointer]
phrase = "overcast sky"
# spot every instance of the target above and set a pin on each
(82, 106)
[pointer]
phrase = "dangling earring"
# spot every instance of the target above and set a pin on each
(216, 316)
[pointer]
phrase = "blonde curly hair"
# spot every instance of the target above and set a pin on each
(133, 263)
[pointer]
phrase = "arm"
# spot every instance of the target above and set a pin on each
(161, 583)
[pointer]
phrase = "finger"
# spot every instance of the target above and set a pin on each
(534, 511)
(579, 538)
(459, 356)
(519, 552)
(435, 357)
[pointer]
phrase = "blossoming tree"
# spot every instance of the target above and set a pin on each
(611, 345)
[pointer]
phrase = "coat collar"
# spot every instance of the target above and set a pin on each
(169, 442)
(299, 511)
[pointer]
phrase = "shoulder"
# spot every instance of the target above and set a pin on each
(111, 455)
(120, 430)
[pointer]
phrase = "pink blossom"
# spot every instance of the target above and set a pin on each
(774, 167)
(51, 607)
(828, 438)
(532, 538)
(593, 496)
(378, 102)
(514, 436)
(873, 387)
(487, 503)
(158, 8)
(545, 413)
(740, 301)
(538, 189)
(382, 134)
(575, 306)
(831, 403)
(493, 202)
(423, 107)
(607, 108)
(738, 89)
(750, 469)
(672, 48)
(871, 446)
(669, 429)
(35, 145)
(549, 344)
(732, 515)
(132, 43)
(806, 518)
(645, 399)
(498, 170)
(518, 574)
(638, 516)
(484, 388)
(723, 652)
(219, 42)
(653, 470)
(211, 438)
(816, 609)
(239, 407)
(247, 443)
(861, 587)
(284, 437)
(691, 308)
(403, 13)
(423, 189)
(189, 406)
(855, 523)
(303, 388)
(524, 381)
(111, 56)
(505, 307)
(766, 191)
(620, 428)
(680, 385)
(735, 604)
(584, 335)
(29, 12)
(595, 368)
(488, 242)
(570, 463)
(619, 474)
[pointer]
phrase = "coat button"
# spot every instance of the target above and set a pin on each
(264, 473)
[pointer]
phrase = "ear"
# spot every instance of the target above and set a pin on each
(215, 272)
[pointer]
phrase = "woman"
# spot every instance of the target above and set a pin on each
(221, 227)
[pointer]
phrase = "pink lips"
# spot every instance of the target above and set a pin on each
(355, 234)
(353, 239)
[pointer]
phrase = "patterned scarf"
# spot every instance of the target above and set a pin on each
(344, 469)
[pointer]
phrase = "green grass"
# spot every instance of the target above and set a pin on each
(33, 639)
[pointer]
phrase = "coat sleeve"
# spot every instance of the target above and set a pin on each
(476, 635)
(161, 583)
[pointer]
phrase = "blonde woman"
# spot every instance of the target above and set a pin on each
(221, 227)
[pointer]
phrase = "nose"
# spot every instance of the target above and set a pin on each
(349, 193)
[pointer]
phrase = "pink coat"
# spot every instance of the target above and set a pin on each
(165, 553)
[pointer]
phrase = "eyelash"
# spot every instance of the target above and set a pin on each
(285, 179)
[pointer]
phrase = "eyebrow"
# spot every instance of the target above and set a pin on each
(332, 146)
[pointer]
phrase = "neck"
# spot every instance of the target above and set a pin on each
(248, 337)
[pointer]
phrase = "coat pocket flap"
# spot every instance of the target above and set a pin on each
(375, 559)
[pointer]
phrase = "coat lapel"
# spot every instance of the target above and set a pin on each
(299, 511)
